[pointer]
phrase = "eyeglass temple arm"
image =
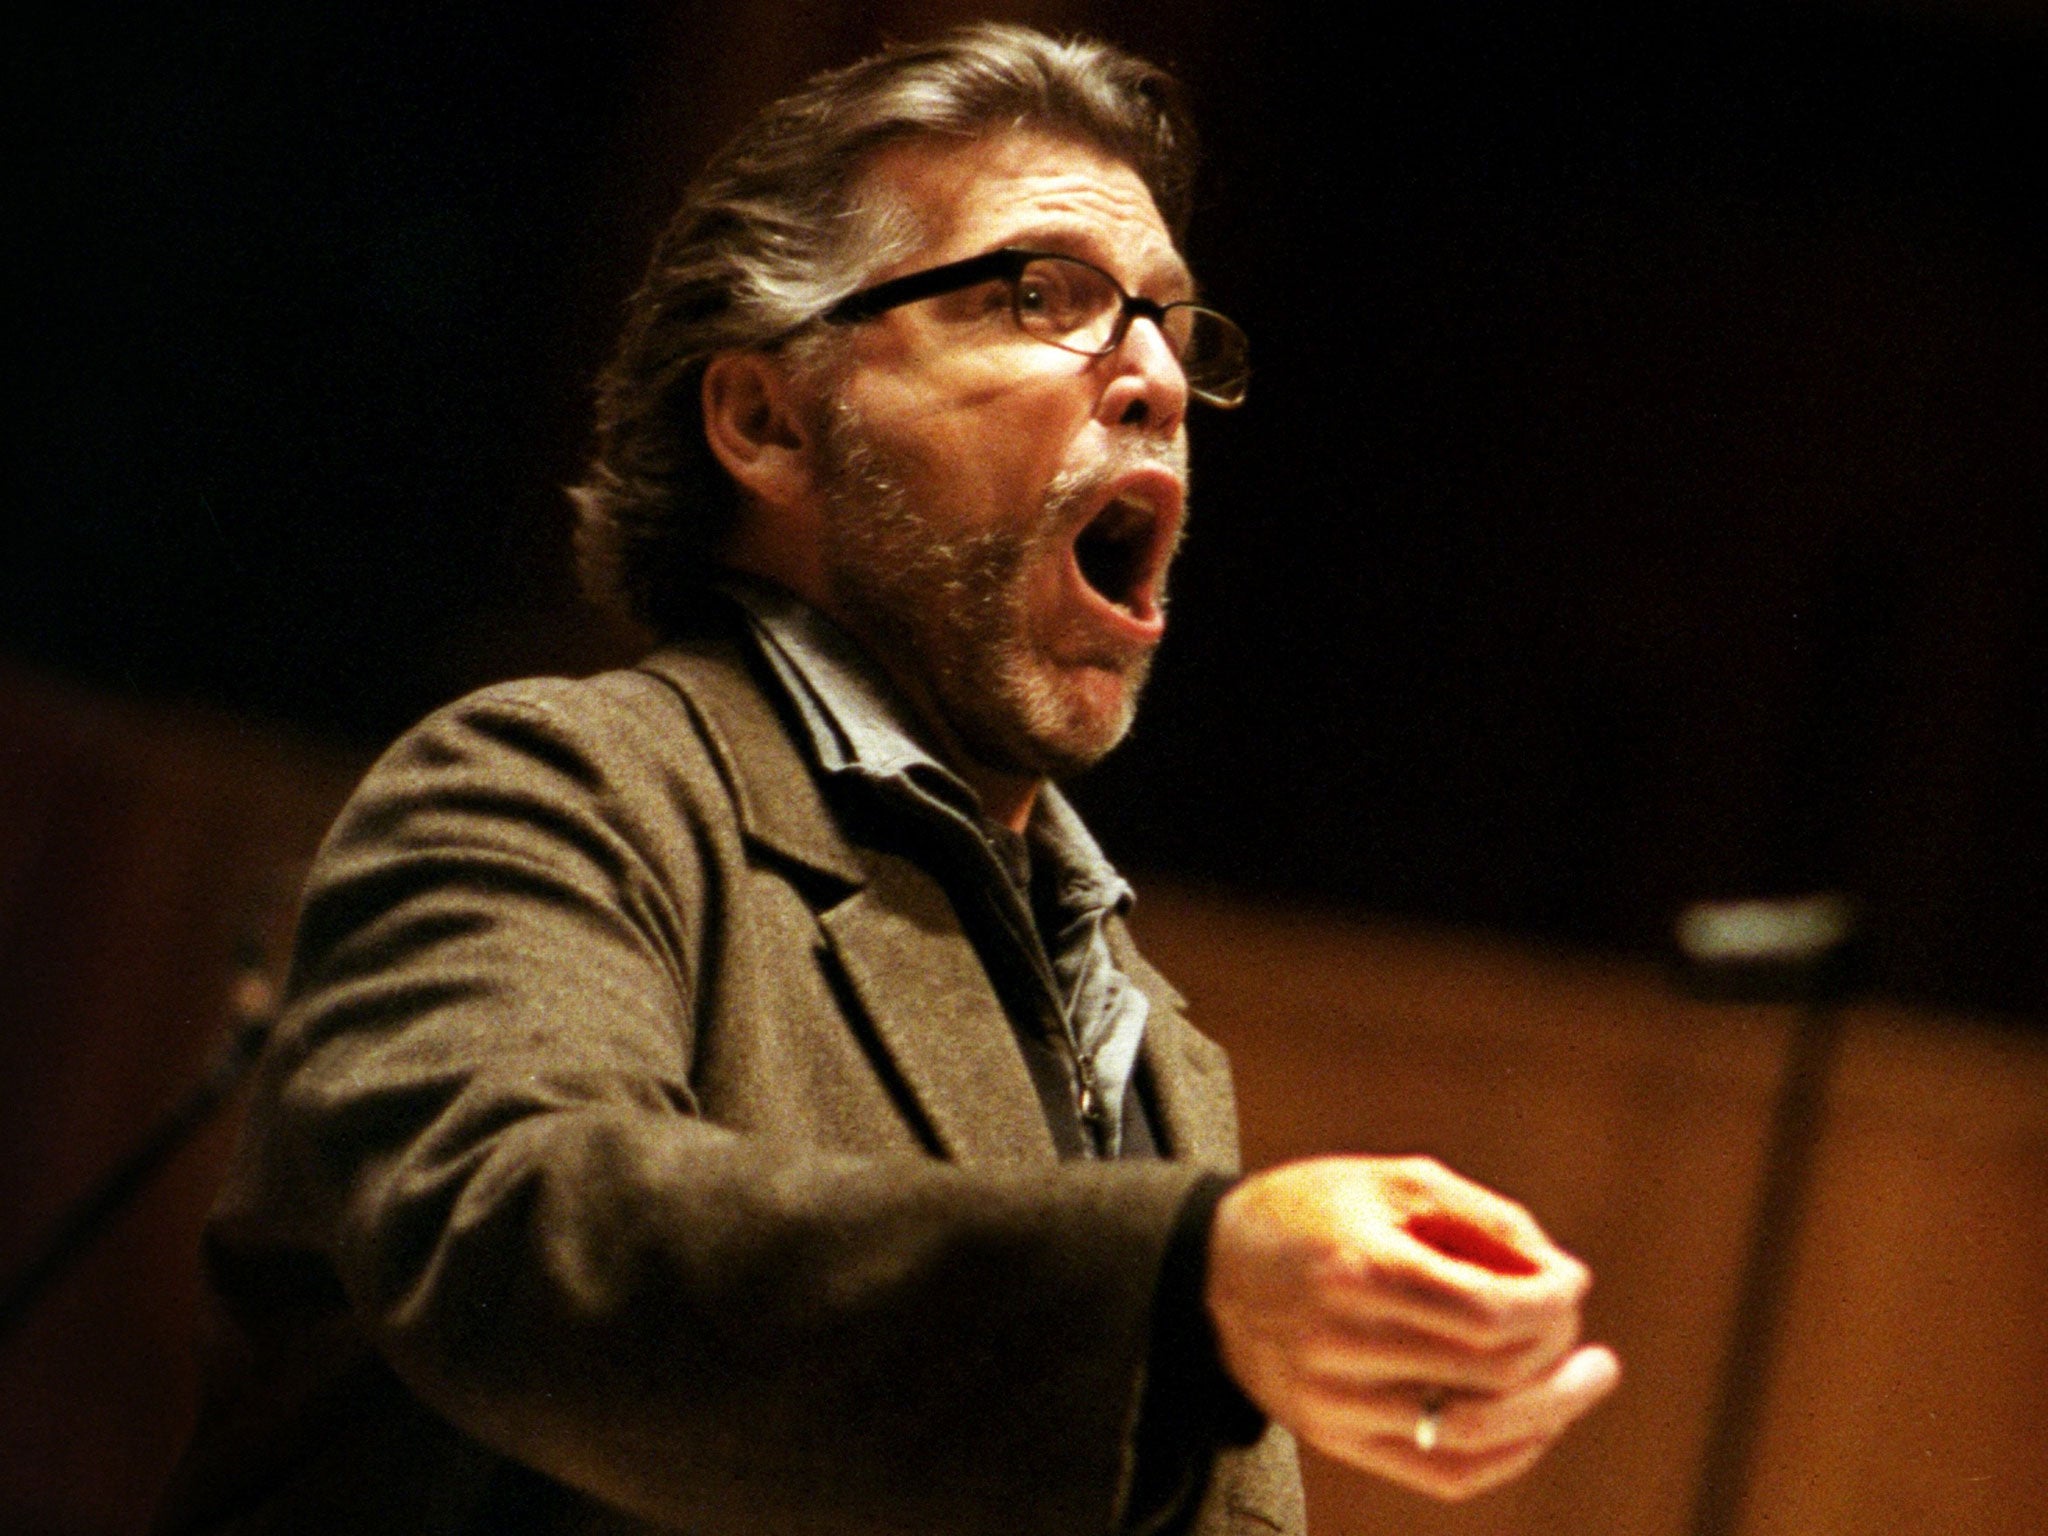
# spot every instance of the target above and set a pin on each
(949, 278)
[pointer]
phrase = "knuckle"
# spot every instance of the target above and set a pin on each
(1576, 1278)
(1497, 1329)
(1500, 1372)
(1480, 1425)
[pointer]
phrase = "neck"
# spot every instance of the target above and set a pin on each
(1005, 798)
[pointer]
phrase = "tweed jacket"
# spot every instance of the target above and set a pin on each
(644, 1148)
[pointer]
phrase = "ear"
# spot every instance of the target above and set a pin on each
(756, 421)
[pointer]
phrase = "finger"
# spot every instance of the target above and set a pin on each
(1468, 1314)
(1468, 1421)
(1539, 1412)
(1367, 1356)
(1395, 1278)
(1466, 1219)
(1479, 1443)
(1477, 1228)
(1326, 1414)
(1379, 1434)
(1447, 1475)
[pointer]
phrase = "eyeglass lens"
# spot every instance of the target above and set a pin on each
(1074, 306)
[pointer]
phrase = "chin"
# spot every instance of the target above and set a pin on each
(1054, 723)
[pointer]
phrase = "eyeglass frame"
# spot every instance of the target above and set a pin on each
(1008, 263)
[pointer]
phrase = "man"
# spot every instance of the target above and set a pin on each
(722, 1096)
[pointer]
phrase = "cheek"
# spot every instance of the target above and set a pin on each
(994, 473)
(982, 453)
(1029, 449)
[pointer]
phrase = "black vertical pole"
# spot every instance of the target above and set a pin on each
(1728, 1466)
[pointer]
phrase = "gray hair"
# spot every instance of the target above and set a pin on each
(774, 232)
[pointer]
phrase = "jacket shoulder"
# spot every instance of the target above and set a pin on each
(614, 737)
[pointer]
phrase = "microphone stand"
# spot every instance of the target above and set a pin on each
(255, 1002)
(1781, 951)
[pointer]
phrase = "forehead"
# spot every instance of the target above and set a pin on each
(1032, 189)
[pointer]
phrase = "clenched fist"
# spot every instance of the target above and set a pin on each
(1402, 1319)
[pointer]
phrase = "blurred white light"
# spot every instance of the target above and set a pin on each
(1791, 930)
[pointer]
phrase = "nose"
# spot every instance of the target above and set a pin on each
(1146, 387)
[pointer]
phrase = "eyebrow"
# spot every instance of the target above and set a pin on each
(1060, 238)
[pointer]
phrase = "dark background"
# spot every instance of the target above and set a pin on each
(1641, 496)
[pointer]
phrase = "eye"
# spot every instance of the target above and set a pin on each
(977, 304)
(1058, 297)
(1036, 295)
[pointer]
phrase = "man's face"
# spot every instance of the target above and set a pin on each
(1000, 513)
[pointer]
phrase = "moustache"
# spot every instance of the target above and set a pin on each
(1083, 483)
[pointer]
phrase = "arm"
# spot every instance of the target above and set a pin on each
(485, 1116)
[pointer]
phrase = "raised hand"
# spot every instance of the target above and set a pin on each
(1402, 1319)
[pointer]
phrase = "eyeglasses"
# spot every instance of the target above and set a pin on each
(1076, 306)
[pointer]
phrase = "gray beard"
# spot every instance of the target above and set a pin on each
(948, 610)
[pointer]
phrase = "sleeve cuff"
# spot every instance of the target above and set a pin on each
(1190, 1407)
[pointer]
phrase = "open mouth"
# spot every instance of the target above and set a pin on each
(1122, 551)
(1111, 551)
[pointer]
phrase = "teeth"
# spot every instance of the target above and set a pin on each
(1124, 518)
(1142, 505)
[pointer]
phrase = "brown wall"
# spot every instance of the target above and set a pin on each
(1907, 1383)
(140, 849)
(138, 846)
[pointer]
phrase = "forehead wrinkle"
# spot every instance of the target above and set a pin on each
(1114, 196)
(999, 191)
(1089, 211)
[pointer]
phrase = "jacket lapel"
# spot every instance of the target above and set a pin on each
(931, 1003)
(1190, 1074)
(894, 933)
(774, 792)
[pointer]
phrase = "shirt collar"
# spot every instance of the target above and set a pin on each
(856, 723)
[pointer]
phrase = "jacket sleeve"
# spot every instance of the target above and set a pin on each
(481, 1114)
